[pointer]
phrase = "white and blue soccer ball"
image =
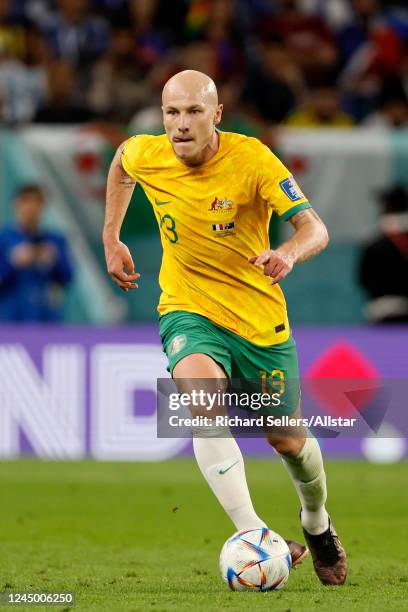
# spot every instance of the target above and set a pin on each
(255, 560)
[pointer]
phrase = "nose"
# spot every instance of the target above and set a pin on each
(183, 126)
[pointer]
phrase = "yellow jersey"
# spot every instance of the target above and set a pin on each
(212, 217)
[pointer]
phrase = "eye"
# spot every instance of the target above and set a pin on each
(195, 111)
(171, 112)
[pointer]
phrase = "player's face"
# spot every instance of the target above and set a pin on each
(189, 125)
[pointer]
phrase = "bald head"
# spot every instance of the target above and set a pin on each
(190, 114)
(190, 85)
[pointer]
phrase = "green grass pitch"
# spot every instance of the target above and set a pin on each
(136, 536)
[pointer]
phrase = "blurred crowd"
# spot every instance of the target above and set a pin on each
(304, 62)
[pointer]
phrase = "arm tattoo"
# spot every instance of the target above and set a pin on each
(125, 180)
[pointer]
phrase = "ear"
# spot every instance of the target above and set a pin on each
(218, 114)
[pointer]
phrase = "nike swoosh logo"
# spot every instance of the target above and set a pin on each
(221, 472)
(159, 203)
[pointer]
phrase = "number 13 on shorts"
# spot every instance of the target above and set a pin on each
(273, 382)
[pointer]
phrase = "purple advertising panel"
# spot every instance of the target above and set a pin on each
(72, 392)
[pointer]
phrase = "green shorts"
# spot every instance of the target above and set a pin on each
(184, 333)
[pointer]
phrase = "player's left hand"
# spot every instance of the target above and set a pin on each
(276, 263)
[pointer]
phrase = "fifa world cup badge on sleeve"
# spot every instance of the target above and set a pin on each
(290, 188)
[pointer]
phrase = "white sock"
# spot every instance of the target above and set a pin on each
(309, 478)
(221, 463)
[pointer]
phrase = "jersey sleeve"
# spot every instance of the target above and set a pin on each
(131, 156)
(277, 186)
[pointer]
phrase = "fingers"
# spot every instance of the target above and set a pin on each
(279, 277)
(273, 267)
(261, 259)
(276, 264)
(278, 270)
(129, 265)
(125, 281)
(123, 276)
(125, 285)
(120, 265)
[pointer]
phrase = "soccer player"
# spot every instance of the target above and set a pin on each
(222, 312)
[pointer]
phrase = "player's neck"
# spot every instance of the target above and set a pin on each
(207, 153)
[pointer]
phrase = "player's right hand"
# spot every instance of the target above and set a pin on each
(120, 265)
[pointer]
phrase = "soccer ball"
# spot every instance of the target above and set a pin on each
(255, 560)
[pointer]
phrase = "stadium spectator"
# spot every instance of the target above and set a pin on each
(35, 264)
(217, 25)
(196, 18)
(12, 31)
(336, 13)
(322, 110)
(397, 16)
(200, 55)
(370, 52)
(36, 12)
(118, 84)
(233, 120)
(62, 104)
(22, 67)
(384, 262)
(151, 42)
(307, 38)
(222, 32)
(37, 54)
(393, 107)
(76, 35)
(275, 88)
(22, 87)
